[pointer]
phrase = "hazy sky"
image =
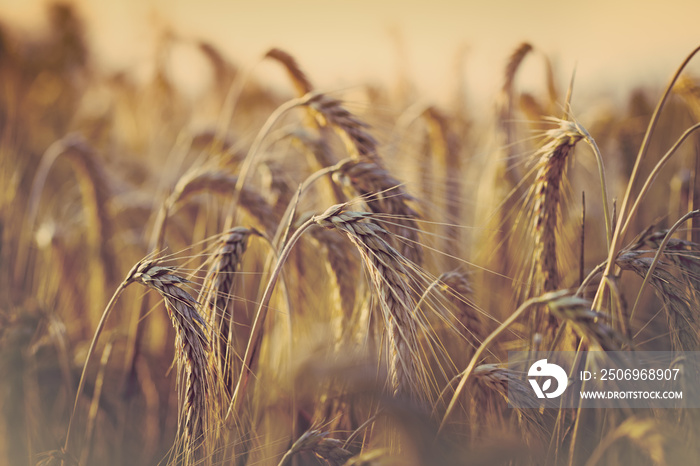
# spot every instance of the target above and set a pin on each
(346, 42)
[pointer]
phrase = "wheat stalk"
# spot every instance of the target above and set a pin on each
(198, 180)
(385, 195)
(192, 344)
(549, 299)
(216, 295)
(547, 196)
(197, 409)
(621, 227)
(388, 274)
(95, 195)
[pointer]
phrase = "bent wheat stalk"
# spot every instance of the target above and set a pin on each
(191, 342)
(193, 182)
(387, 272)
(621, 228)
(216, 295)
(385, 195)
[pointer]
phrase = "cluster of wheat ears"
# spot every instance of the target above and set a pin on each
(326, 298)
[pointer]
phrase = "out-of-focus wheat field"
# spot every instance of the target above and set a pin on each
(222, 252)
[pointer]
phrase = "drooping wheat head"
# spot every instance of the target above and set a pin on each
(353, 131)
(217, 296)
(495, 383)
(192, 352)
(458, 289)
(388, 273)
(547, 205)
(385, 195)
(505, 108)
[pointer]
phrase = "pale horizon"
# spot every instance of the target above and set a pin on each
(343, 44)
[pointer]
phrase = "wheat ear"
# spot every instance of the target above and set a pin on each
(505, 108)
(547, 193)
(544, 275)
(353, 131)
(216, 296)
(192, 344)
(388, 274)
(549, 299)
(458, 289)
(198, 180)
(678, 304)
(385, 195)
(319, 147)
(367, 174)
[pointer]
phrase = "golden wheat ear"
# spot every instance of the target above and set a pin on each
(505, 108)
(546, 215)
(457, 286)
(387, 271)
(198, 412)
(192, 350)
(384, 194)
(216, 297)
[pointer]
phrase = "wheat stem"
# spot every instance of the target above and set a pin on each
(619, 231)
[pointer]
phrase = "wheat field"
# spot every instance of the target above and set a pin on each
(303, 276)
